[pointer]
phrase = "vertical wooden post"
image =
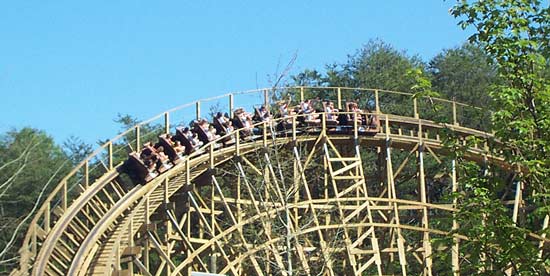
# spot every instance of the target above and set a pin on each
(323, 123)
(301, 93)
(187, 171)
(130, 244)
(166, 123)
(266, 99)
(377, 102)
(393, 195)
(212, 155)
(239, 213)
(168, 226)
(294, 128)
(386, 127)
(455, 251)
(355, 126)
(455, 121)
(110, 149)
(165, 191)
(34, 242)
(517, 201)
(238, 142)
(326, 176)
(296, 195)
(415, 107)
(231, 106)
(264, 133)
(268, 224)
(188, 233)
(64, 196)
(146, 246)
(86, 173)
(138, 139)
(47, 217)
(541, 243)
(423, 198)
(198, 109)
(339, 95)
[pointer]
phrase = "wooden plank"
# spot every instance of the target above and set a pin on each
(346, 168)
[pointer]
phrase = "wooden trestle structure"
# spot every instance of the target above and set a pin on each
(302, 201)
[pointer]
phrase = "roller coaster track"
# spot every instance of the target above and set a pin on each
(305, 200)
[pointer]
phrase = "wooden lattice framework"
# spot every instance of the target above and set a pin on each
(303, 201)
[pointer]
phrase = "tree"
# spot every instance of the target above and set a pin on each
(463, 73)
(515, 35)
(30, 166)
(376, 65)
(76, 149)
(308, 78)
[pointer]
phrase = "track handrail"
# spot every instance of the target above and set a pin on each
(82, 252)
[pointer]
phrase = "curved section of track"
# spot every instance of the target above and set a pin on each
(202, 216)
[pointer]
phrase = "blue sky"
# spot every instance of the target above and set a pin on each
(68, 67)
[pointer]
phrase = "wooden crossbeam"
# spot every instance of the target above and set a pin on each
(359, 183)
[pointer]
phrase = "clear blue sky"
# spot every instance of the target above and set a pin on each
(68, 67)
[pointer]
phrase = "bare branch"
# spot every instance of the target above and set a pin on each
(31, 213)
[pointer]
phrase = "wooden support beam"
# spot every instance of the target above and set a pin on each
(198, 110)
(377, 101)
(544, 227)
(427, 256)
(359, 183)
(231, 106)
(393, 194)
(517, 201)
(210, 230)
(251, 192)
(339, 97)
(255, 263)
(302, 177)
(167, 122)
(415, 109)
(455, 258)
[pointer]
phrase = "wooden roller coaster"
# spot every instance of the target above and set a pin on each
(303, 199)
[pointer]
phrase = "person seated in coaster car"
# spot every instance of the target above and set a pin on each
(179, 148)
(162, 160)
(311, 117)
(169, 143)
(330, 114)
(222, 124)
(261, 114)
(187, 139)
(243, 120)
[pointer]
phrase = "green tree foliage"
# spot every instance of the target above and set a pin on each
(76, 149)
(515, 35)
(463, 73)
(376, 65)
(31, 164)
(308, 78)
